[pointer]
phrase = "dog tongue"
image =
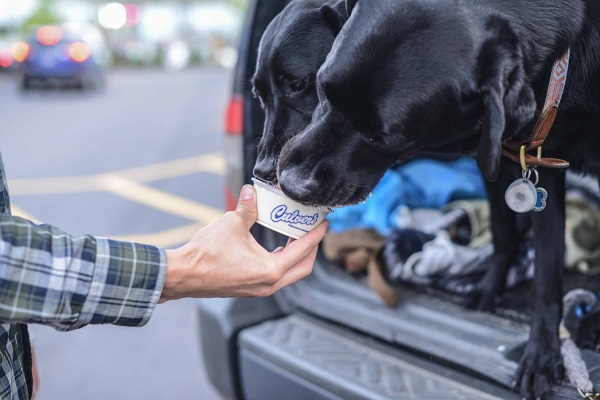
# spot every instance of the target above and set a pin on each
(278, 186)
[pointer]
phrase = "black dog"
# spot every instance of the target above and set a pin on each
(291, 51)
(463, 77)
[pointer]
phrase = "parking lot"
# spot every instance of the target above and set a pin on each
(141, 160)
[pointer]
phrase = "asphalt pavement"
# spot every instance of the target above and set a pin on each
(141, 160)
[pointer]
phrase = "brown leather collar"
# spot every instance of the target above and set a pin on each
(517, 150)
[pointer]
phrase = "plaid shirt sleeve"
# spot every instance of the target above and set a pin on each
(52, 278)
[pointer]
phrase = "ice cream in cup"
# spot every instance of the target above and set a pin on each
(278, 212)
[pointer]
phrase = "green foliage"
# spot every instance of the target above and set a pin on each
(239, 4)
(43, 15)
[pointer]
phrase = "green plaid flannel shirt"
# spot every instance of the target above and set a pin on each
(52, 278)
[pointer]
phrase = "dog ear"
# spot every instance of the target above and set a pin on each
(334, 19)
(508, 99)
(350, 6)
(336, 16)
(492, 128)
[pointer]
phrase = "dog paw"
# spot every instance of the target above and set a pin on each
(486, 293)
(540, 367)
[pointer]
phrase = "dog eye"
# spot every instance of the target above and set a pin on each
(298, 86)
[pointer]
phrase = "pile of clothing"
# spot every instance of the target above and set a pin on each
(427, 223)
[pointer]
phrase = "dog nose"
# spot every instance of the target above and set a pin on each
(297, 187)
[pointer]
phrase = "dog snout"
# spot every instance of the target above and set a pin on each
(295, 175)
(298, 185)
(266, 170)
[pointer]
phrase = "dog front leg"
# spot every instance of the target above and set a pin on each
(505, 236)
(541, 364)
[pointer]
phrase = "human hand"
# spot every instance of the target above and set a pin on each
(224, 260)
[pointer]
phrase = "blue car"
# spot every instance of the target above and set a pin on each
(68, 55)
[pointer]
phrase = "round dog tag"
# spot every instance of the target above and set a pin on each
(521, 196)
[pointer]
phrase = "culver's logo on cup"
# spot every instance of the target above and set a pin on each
(278, 212)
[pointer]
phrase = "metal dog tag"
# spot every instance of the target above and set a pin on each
(522, 196)
(540, 203)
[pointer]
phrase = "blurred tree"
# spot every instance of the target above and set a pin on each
(241, 4)
(43, 15)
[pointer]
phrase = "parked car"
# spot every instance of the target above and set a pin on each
(67, 55)
(330, 336)
(12, 53)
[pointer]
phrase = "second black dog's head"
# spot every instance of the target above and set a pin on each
(404, 77)
(292, 49)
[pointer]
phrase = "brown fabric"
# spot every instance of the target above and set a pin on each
(357, 260)
(379, 284)
(358, 250)
(352, 247)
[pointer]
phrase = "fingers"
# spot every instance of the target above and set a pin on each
(296, 260)
(299, 249)
(246, 207)
(277, 250)
(299, 271)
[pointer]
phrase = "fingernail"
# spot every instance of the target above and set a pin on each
(247, 192)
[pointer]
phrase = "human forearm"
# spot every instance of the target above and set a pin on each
(52, 278)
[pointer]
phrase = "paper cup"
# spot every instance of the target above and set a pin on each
(278, 212)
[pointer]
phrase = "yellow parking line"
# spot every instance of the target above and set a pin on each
(159, 199)
(212, 163)
(128, 183)
(42, 186)
(167, 238)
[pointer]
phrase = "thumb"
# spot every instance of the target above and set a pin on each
(247, 205)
